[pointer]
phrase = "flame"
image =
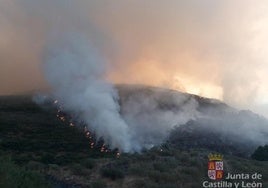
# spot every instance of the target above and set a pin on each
(117, 155)
(69, 118)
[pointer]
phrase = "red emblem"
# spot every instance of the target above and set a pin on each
(215, 167)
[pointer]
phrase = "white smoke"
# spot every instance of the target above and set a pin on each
(76, 67)
(75, 72)
(152, 113)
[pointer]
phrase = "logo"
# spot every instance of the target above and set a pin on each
(215, 166)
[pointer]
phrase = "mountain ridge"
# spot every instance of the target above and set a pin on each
(214, 123)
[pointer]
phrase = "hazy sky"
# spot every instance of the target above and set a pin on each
(216, 49)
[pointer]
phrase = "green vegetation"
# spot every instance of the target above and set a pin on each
(261, 153)
(39, 146)
(98, 184)
(13, 176)
(89, 163)
(112, 173)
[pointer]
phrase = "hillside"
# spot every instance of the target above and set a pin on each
(199, 122)
(36, 144)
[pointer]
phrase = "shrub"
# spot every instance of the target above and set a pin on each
(140, 183)
(88, 163)
(12, 175)
(162, 167)
(261, 153)
(98, 184)
(155, 176)
(36, 166)
(112, 173)
(137, 170)
(63, 160)
(79, 170)
(47, 158)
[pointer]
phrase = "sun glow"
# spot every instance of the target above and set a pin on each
(153, 73)
(197, 88)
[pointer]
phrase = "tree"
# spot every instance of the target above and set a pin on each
(261, 153)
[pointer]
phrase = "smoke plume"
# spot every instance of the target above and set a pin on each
(173, 44)
(152, 113)
(215, 49)
(75, 71)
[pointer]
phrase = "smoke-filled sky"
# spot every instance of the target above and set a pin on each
(216, 49)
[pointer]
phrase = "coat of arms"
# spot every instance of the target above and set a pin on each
(215, 166)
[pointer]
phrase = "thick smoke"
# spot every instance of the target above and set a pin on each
(206, 47)
(152, 113)
(173, 44)
(75, 72)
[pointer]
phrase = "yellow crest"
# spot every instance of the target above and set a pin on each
(215, 157)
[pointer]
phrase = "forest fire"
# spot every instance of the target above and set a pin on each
(93, 143)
